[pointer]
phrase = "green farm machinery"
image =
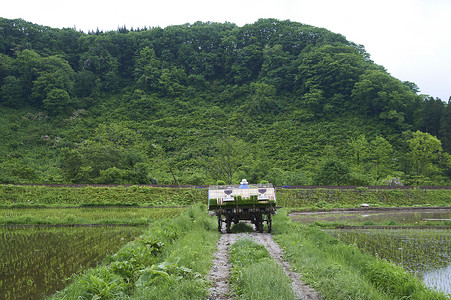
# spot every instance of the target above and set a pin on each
(248, 202)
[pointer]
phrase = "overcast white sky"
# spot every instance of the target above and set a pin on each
(410, 38)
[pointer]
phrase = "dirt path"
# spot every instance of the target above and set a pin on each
(220, 271)
(301, 290)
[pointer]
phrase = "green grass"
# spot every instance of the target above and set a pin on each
(169, 261)
(91, 215)
(333, 198)
(48, 196)
(412, 218)
(13, 195)
(417, 250)
(340, 271)
(255, 275)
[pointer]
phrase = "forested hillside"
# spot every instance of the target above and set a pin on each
(200, 103)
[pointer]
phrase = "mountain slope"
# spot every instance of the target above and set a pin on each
(197, 103)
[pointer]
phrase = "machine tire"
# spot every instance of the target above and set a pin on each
(260, 223)
(219, 224)
(269, 223)
(228, 224)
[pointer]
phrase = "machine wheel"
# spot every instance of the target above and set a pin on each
(219, 224)
(269, 223)
(228, 224)
(259, 223)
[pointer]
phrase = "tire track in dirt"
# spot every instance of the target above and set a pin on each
(220, 272)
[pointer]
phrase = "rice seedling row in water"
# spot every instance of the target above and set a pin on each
(340, 271)
(35, 262)
(417, 250)
(98, 215)
(420, 251)
(168, 261)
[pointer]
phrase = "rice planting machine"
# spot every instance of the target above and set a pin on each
(252, 202)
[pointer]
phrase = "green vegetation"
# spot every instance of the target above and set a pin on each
(279, 101)
(98, 215)
(37, 261)
(416, 250)
(23, 196)
(170, 260)
(255, 275)
(340, 271)
(332, 198)
(418, 218)
(30, 196)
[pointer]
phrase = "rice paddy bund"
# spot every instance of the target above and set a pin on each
(424, 252)
(418, 240)
(40, 248)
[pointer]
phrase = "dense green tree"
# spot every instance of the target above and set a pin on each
(56, 101)
(278, 69)
(27, 66)
(172, 82)
(431, 113)
(445, 127)
(147, 70)
(11, 92)
(151, 105)
(85, 84)
(360, 149)
(261, 100)
(225, 158)
(425, 151)
(6, 64)
(99, 60)
(332, 172)
(114, 150)
(315, 101)
(332, 69)
(381, 156)
(247, 64)
(378, 94)
(54, 73)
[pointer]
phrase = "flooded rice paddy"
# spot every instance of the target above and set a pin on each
(409, 237)
(38, 261)
(377, 217)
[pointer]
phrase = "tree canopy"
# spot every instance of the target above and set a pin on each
(196, 103)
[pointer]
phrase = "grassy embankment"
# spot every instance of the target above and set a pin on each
(65, 196)
(47, 196)
(255, 275)
(131, 216)
(169, 261)
(340, 271)
(53, 205)
(314, 199)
